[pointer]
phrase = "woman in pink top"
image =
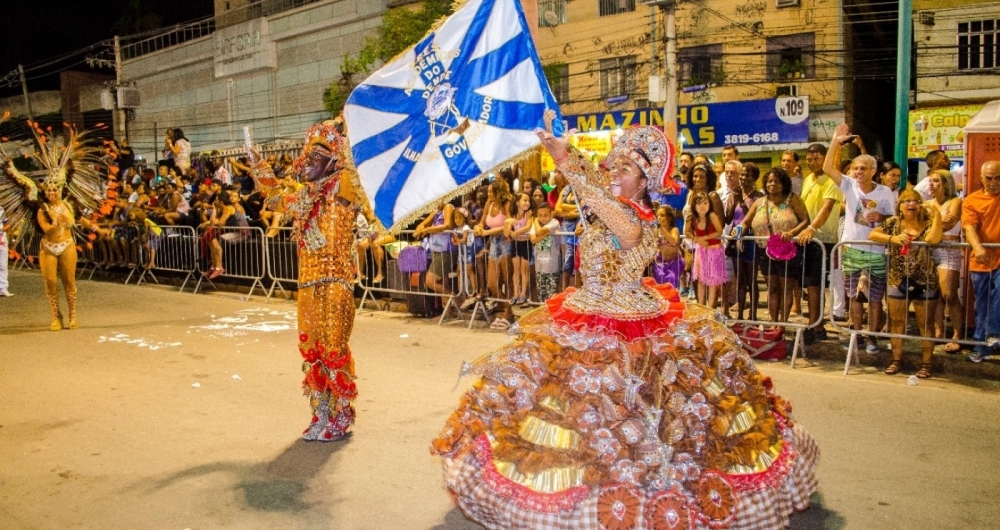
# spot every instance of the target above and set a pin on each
(491, 227)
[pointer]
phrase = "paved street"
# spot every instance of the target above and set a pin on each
(174, 411)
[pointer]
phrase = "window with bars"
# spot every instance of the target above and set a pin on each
(791, 56)
(551, 13)
(618, 76)
(613, 7)
(558, 76)
(700, 65)
(978, 43)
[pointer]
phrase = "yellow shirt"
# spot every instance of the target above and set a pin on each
(815, 190)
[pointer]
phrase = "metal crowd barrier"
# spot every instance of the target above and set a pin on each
(243, 250)
(965, 305)
(282, 257)
(175, 250)
(28, 248)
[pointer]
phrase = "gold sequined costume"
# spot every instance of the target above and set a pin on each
(324, 213)
(617, 406)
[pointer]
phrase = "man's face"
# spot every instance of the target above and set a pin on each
(317, 163)
(815, 162)
(162, 171)
(729, 154)
(943, 162)
(788, 163)
(685, 163)
(991, 180)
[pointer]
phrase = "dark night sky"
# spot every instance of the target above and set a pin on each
(34, 31)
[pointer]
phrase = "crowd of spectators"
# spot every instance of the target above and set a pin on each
(515, 240)
(728, 232)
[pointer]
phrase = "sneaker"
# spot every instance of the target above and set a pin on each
(808, 336)
(820, 333)
(872, 346)
(975, 357)
(993, 341)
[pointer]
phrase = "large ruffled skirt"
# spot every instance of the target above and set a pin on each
(590, 422)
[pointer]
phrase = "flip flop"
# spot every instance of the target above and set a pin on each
(952, 347)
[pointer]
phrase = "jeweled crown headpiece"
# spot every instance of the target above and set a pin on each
(328, 135)
(649, 148)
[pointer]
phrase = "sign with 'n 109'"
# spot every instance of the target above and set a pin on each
(755, 122)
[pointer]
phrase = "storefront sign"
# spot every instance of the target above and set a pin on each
(595, 145)
(756, 122)
(939, 128)
(244, 48)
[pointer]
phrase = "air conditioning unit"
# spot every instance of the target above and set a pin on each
(787, 90)
(107, 100)
(128, 97)
(787, 3)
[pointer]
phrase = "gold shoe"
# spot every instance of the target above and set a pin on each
(72, 324)
(56, 325)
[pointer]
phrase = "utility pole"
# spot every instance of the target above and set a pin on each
(670, 66)
(670, 105)
(904, 46)
(24, 88)
(120, 120)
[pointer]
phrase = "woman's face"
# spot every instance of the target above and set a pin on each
(891, 179)
(661, 216)
(747, 182)
(936, 185)
(910, 207)
(538, 195)
(52, 194)
(700, 179)
(627, 180)
(773, 185)
(702, 207)
(523, 203)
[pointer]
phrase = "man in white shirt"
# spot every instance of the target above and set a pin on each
(790, 163)
(935, 160)
(867, 205)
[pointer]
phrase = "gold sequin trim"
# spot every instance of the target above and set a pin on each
(540, 432)
(742, 420)
(548, 481)
(554, 404)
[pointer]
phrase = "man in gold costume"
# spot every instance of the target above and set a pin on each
(324, 211)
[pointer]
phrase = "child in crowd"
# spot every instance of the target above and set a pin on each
(148, 237)
(517, 228)
(669, 264)
(465, 241)
(548, 262)
(704, 230)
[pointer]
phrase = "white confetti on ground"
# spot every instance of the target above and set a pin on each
(247, 321)
(142, 343)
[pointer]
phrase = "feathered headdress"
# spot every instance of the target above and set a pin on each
(78, 164)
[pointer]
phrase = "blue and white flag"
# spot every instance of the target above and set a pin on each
(463, 101)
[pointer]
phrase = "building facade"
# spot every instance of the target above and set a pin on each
(263, 64)
(733, 59)
(957, 48)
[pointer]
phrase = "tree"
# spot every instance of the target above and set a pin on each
(138, 17)
(401, 28)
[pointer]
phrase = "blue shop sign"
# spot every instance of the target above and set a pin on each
(755, 122)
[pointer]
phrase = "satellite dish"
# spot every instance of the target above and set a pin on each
(551, 18)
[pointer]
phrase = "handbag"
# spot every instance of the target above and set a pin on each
(412, 259)
(777, 248)
(762, 344)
